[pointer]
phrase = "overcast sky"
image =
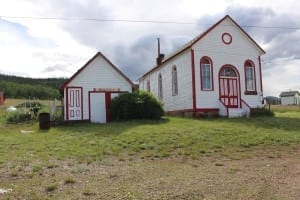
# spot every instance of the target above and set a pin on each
(34, 47)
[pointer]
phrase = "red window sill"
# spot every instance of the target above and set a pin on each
(251, 93)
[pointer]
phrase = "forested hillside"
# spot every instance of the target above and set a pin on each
(20, 87)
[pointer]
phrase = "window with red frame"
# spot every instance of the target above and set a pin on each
(206, 74)
(250, 77)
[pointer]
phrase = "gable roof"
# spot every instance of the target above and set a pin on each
(289, 94)
(199, 37)
(88, 62)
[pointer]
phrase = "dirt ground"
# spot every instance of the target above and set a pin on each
(270, 174)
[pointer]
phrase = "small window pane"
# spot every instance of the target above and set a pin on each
(228, 71)
(249, 79)
(206, 76)
(160, 91)
(174, 81)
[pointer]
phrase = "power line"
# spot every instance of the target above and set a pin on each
(97, 20)
(271, 27)
(138, 21)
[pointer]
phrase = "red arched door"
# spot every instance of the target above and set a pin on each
(229, 86)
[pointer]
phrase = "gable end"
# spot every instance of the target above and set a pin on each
(85, 65)
(199, 37)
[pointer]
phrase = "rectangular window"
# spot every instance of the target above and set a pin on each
(250, 79)
(206, 77)
(174, 82)
(160, 89)
(148, 85)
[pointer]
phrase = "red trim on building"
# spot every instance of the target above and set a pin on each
(238, 82)
(194, 112)
(2, 98)
(195, 40)
(84, 66)
(207, 109)
(211, 72)
(66, 105)
(107, 105)
(220, 21)
(107, 102)
(260, 74)
(224, 39)
(250, 92)
(193, 79)
(81, 103)
(89, 105)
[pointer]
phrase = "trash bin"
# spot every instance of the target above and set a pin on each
(44, 121)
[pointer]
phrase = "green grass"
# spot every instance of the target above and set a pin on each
(33, 159)
(288, 108)
(155, 139)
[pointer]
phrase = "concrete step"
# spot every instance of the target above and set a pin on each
(236, 112)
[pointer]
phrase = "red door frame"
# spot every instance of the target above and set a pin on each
(231, 83)
(228, 92)
(107, 102)
(107, 105)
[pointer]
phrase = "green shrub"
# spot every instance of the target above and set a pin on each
(138, 105)
(17, 117)
(262, 112)
(30, 104)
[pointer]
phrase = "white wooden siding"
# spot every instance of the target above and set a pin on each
(292, 100)
(240, 50)
(98, 74)
(184, 75)
(98, 109)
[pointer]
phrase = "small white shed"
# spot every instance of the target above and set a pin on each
(290, 98)
(87, 94)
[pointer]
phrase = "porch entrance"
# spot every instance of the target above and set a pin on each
(229, 86)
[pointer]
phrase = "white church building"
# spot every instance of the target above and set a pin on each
(219, 71)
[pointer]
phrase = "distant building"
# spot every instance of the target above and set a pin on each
(272, 100)
(290, 98)
(2, 98)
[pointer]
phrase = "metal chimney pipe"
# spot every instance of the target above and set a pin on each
(158, 47)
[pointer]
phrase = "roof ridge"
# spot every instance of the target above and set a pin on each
(196, 39)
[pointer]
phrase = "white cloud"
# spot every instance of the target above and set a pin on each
(281, 75)
(43, 48)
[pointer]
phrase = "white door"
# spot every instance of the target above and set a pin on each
(74, 103)
(97, 108)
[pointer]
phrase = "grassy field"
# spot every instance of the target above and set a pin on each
(173, 158)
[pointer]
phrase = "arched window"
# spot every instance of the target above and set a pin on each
(206, 73)
(228, 71)
(148, 85)
(160, 89)
(250, 76)
(174, 81)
